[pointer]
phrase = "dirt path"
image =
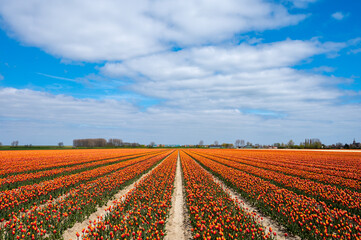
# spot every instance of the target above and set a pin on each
(176, 225)
(260, 218)
(121, 195)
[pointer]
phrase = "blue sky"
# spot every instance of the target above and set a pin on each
(177, 72)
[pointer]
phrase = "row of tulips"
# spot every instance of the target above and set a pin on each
(20, 199)
(50, 221)
(303, 160)
(301, 215)
(144, 211)
(341, 198)
(353, 184)
(15, 162)
(213, 214)
(29, 178)
(339, 161)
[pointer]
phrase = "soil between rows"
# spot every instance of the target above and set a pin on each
(177, 227)
(264, 220)
(101, 211)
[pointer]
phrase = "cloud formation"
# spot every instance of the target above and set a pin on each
(339, 15)
(182, 56)
(236, 77)
(251, 89)
(86, 30)
(30, 116)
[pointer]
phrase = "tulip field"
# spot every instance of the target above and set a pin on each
(307, 194)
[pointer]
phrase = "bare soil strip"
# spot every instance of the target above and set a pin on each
(262, 219)
(176, 225)
(101, 211)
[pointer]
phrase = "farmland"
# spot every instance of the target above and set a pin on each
(180, 194)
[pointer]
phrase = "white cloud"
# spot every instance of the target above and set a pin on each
(355, 51)
(323, 69)
(247, 89)
(237, 77)
(339, 15)
(243, 83)
(34, 117)
(207, 89)
(245, 80)
(206, 61)
(59, 108)
(115, 30)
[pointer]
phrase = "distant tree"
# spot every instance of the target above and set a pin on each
(237, 143)
(242, 143)
(201, 143)
(277, 145)
(339, 145)
(152, 144)
(60, 144)
(90, 142)
(290, 143)
(313, 143)
(15, 143)
(1, 144)
(115, 142)
(216, 143)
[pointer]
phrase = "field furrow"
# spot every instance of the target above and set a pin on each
(17, 162)
(293, 171)
(14, 181)
(301, 215)
(79, 204)
(143, 213)
(22, 198)
(327, 164)
(180, 194)
(213, 213)
(335, 197)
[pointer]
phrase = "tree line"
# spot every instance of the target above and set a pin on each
(102, 142)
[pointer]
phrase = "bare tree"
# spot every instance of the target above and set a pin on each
(152, 144)
(1, 144)
(60, 144)
(90, 142)
(115, 142)
(237, 143)
(242, 143)
(339, 145)
(216, 143)
(201, 143)
(290, 143)
(15, 143)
